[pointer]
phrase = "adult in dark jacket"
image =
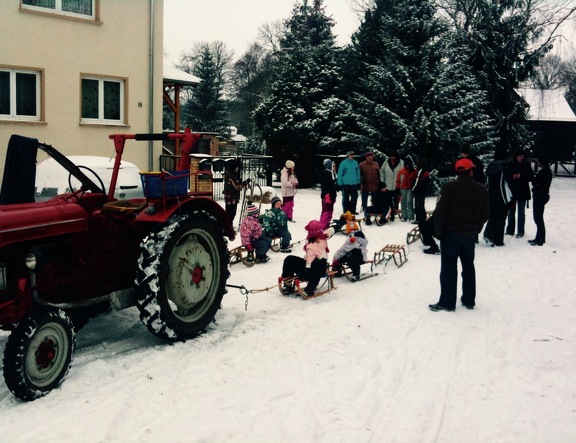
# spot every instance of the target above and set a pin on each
(521, 176)
(420, 190)
(541, 194)
(232, 187)
(498, 183)
(458, 218)
(327, 192)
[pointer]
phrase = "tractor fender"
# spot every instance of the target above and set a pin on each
(156, 213)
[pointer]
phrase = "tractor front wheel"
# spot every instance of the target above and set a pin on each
(38, 353)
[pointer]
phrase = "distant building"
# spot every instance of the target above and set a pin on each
(552, 122)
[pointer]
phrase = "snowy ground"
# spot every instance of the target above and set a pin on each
(368, 362)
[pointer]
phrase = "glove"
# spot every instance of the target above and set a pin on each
(352, 239)
(327, 199)
(249, 248)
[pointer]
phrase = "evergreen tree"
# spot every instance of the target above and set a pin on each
(250, 78)
(506, 40)
(299, 115)
(410, 88)
(205, 109)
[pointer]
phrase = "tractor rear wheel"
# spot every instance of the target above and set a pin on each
(183, 268)
(38, 353)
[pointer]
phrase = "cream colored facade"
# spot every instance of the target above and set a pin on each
(64, 50)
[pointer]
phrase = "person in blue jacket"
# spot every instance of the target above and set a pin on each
(348, 181)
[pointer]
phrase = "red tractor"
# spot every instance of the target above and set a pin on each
(68, 258)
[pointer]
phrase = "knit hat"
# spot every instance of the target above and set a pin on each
(369, 154)
(290, 164)
(315, 230)
(327, 163)
(274, 200)
(252, 209)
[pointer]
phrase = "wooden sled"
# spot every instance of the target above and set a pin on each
(391, 252)
(413, 235)
(297, 289)
(241, 254)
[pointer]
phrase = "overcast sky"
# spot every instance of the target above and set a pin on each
(236, 22)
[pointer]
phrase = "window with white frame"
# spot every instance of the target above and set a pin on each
(103, 100)
(19, 94)
(73, 8)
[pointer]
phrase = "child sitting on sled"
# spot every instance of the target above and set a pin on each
(314, 265)
(251, 235)
(353, 253)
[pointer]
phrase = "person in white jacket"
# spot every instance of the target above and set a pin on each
(288, 185)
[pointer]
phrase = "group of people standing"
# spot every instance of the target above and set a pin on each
(508, 184)
(497, 198)
(466, 203)
(382, 189)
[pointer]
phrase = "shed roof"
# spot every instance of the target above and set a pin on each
(547, 104)
(176, 76)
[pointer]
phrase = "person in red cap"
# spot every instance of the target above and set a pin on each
(459, 216)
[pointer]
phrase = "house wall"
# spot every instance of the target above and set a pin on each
(117, 45)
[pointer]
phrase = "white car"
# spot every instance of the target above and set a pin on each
(52, 179)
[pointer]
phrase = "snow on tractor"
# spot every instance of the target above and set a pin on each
(80, 252)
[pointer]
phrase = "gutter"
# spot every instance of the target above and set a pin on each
(151, 90)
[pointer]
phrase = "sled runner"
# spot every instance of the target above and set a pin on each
(291, 285)
(391, 252)
(413, 235)
(347, 272)
(241, 254)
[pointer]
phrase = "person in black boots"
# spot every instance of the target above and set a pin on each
(459, 215)
(521, 177)
(541, 194)
(420, 190)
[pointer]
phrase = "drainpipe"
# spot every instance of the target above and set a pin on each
(151, 92)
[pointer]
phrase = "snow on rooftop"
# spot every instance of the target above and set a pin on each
(547, 104)
(170, 73)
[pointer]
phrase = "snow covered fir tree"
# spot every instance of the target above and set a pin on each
(421, 77)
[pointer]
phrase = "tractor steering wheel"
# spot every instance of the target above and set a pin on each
(79, 193)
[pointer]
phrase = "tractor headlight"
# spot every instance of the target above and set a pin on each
(31, 261)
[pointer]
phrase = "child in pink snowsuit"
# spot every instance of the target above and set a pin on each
(315, 261)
